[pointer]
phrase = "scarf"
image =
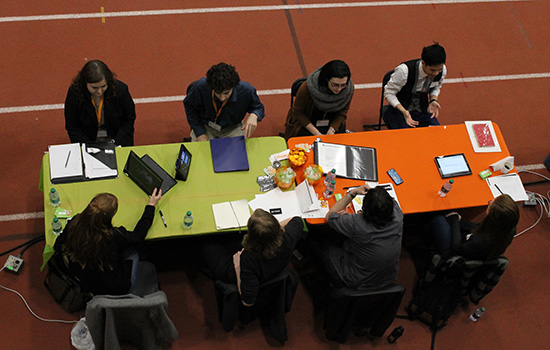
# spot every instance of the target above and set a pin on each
(324, 99)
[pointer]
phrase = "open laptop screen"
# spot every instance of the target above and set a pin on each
(142, 174)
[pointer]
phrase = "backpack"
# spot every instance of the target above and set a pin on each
(64, 288)
(433, 303)
(436, 296)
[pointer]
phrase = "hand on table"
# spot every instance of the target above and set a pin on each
(250, 124)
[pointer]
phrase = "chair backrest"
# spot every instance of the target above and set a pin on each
(294, 89)
(273, 302)
(385, 80)
(143, 322)
(374, 309)
(477, 277)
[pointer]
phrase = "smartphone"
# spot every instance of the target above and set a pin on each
(395, 177)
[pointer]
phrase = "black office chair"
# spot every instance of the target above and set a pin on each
(348, 308)
(448, 282)
(383, 108)
(273, 302)
(294, 89)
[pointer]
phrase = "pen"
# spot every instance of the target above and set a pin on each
(68, 156)
(498, 189)
(162, 217)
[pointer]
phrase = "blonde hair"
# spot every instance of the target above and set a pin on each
(89, 233)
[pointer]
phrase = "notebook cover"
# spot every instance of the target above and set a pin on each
(483, 135)
(229, 154)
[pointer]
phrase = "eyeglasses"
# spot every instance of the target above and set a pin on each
(336, 86)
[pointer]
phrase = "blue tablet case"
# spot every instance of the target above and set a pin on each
(229, 154)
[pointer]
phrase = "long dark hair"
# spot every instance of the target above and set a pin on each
(89, 232)
(499, 225)
(265, 235)
(94, 72)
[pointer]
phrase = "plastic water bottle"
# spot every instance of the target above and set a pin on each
(56, 226)
(81, 338)
(477, 314)
(331, 175)
(54, 197)
(395, 334)
(446, 188)
(329, 191)
(188, 220)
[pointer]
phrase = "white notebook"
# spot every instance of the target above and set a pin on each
(231, 214)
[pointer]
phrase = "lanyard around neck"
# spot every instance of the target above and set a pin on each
(99, 109)
(218, 111)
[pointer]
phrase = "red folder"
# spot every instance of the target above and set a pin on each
(483, 135)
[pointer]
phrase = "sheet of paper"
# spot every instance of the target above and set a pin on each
(473, 138)
(231, 214)
(307, 198)
(509, 184)
(331, 156)
(282, 205)
(93, 167)
(65, 161)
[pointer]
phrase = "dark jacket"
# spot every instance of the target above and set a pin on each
(119, 113)
(118, 280)
(405, 95)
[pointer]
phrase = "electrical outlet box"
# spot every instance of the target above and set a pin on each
(531, 199)
(13, 264)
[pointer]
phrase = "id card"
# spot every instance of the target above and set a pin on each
(322, 122)
(214, 126)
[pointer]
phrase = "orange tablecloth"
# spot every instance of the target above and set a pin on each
(411, 152)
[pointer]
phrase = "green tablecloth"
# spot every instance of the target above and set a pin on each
(202, 189)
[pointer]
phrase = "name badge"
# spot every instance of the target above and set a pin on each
(214, 126)
(322, 122)
(275, 211)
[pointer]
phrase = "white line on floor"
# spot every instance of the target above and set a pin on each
(243, 9)
(179, 98)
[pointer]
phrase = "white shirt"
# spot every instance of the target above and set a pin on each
(399, 79)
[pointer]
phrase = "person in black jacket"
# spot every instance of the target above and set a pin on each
(99, 108)
(99, 255)
(263, 253)
(484, 241)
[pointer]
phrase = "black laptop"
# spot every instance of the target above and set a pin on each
(147, 174)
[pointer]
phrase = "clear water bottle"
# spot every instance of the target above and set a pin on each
(54, 197)
(477, 314)
(329, 191)
(395, 334)
(331, 175)
(446, 188)
(56, 226)
(188, 220)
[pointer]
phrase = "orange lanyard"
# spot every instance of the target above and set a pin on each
(98, 110)
(218, 111)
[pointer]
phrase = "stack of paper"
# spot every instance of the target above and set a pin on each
(301, 202)
(509, 184)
